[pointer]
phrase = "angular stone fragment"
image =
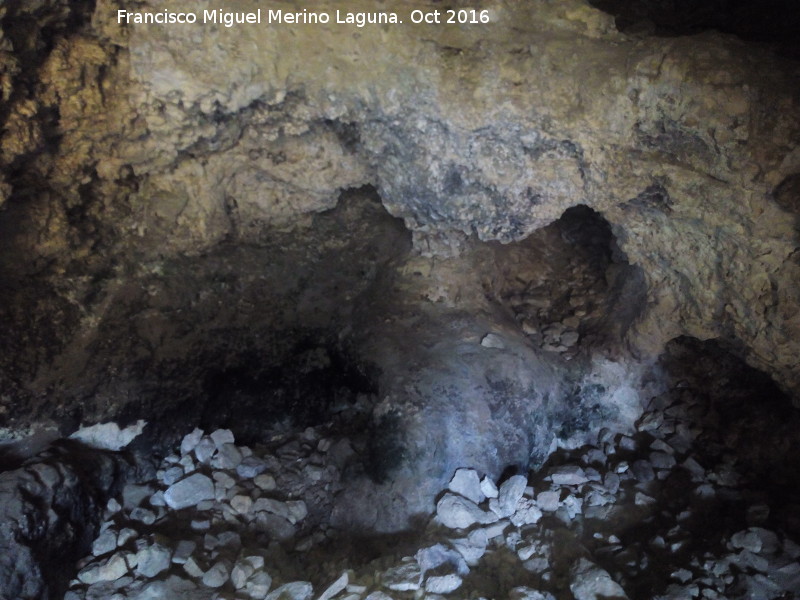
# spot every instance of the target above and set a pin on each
(443, 584)
(509, 495)
(590, 582)
(548, 501)
(473, 547)
(105, 543)
(205, 449)
(110, 570)
(296, 590)
(527, 513)
(403, 578)
(183, 551)
(153, 560)
(189, 492)
(568, 475)
(337, 586)
(190, 441)
(217, 575)
(257, 587)
(526, 593)
(456, 512)
(220, 437)
(488, 488)
(251, 467)
(265, 482)
(467, 483)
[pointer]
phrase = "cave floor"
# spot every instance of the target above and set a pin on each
(670, 511)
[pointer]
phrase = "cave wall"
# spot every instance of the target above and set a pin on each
(175, 198)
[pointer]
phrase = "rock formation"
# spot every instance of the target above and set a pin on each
(483, 235)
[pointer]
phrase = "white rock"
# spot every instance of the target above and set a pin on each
(205, 449)
(434, 557)
(403, 578)
(568, 475)
(227, 457)
(189, 492)
(472, 547)
(183, 551)
(509, 495)
(172, 475)
(106, 542)
(443, 584)
(336, 587)
(153, 560)
(257, 587)
(217, 575)
(220, 437)
(457, 512)
(190, 441)
(527, 513)
(525, 593)
(110, 570)
(590, 582)
(488, 488)
(251, 467)
(548, 501)
(108, 436)
(378, 596)
(192, 568)
(467, 483)
(297, 590)
(492, 340)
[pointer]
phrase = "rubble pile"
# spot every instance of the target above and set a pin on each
(662, 512)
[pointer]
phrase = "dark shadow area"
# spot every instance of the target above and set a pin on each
(774, 21)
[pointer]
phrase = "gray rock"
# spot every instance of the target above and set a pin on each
(189, 492)
(590, 582)
(526, 593)
(662, 460)
(105, 543)
(265, 482)
(548, 501)
(467, 483)
(250, 467)
(378, 596)
(172, 475)
(297, 590)
(228, 457)
(153, 560)
(509, 495)
(403, 578)
(488, 488)
(183, 551)
(217, 575)
(109, 570)
(220, 437)
(108, 436)
(643, 471)
(148, 517)
(527, 513)
(257, 587)
(443, 584)
(436, 556)
(190, 441)
(457, 512)
(336, 587)
(568, 475)
(492, 340)
(473, 547)
(205, 449)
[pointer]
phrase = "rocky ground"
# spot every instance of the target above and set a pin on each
(668, 512)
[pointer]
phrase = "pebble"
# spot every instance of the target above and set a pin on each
(568, 475)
